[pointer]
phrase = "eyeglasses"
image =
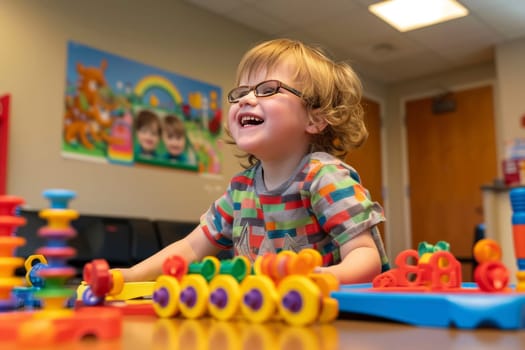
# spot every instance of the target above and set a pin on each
(263, 89)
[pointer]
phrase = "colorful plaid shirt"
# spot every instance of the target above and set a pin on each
(322, 206)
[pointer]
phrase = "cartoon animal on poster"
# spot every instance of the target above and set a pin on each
(88, 112)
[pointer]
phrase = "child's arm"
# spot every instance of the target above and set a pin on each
(360, 263)
(194, 246)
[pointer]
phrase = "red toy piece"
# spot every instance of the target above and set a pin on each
(439, 271)
(490, 274)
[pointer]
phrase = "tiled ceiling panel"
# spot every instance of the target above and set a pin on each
(350, 32)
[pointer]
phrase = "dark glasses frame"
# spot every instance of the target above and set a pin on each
(240, 91)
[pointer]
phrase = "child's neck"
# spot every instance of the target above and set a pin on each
(277, 172)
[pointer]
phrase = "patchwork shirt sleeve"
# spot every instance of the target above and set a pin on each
(341, 203)
(217, 221)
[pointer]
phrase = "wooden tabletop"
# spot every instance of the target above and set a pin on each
(150, 332)
(145, 332)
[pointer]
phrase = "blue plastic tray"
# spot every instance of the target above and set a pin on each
(431, 309)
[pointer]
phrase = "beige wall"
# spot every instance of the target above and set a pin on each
(510, 67)
(183, 39)
(167, 34)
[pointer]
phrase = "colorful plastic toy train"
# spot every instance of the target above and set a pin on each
(279, 286)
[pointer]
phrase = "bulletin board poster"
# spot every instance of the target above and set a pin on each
(122, 111)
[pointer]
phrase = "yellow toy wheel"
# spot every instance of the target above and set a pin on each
(300, 300)
(225, 296)
(257, 269)
(259, 298)
(118, 282)
(329, 310)
(166, 296)
(194, 296)
(326, 282)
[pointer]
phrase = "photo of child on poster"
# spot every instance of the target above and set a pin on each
(124, 112)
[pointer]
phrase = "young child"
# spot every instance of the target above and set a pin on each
(148, 131)
(174, 138)
(295, 113)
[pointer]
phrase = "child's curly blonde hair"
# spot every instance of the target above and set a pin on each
(331, 90)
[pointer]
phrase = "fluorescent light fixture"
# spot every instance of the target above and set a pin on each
(407, 15)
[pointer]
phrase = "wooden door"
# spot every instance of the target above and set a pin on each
(367, 159)
(450, 155)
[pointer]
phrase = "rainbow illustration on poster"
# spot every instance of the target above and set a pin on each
(157, 82)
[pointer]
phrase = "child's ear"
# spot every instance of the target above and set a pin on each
(316, 123)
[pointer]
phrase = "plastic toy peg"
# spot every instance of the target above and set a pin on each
(59, 198)
(236, 267)
(207, 268)
(9, 204)
(175, 266)
(102, 282)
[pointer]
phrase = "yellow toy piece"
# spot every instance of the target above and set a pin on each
(128, 290)
(166, 296)
(225, 296)
(329, 310)
(300, 300)
(30, 262)
(194, 296)
(58, 218)
(326, 282)
(118, 283)
(259, 298)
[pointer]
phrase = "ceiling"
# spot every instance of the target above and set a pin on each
(348, 31)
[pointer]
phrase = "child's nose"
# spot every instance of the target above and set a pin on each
(248, 98)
